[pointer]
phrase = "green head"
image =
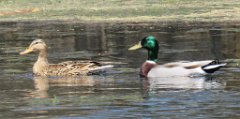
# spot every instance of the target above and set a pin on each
(151, 44)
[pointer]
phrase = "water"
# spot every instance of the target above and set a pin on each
(120, 93)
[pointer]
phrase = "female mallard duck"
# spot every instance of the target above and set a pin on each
(68, 68)
(151, 69)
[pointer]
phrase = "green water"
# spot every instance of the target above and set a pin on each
(120, 93)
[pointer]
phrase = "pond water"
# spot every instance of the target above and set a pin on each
(120, 93)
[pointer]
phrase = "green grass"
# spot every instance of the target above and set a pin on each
(123, 10)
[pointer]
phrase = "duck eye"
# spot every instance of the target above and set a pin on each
(36, 43)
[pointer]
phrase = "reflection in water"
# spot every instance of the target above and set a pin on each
(202, 82)
(115, 38)
(42, 84)
(122, 95)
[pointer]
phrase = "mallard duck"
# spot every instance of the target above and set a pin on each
(68, 68)
(150, 68)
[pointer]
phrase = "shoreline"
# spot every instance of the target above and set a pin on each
(162, 24)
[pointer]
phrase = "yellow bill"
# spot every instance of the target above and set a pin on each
(28, 50)
(135, 47)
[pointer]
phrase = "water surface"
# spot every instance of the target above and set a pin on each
(120, 93)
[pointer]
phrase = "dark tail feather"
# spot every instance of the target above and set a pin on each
(213, 66)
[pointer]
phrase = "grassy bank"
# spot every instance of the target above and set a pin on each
(121, 10)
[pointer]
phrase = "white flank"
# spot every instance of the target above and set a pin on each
(103, 67)
(214, 66)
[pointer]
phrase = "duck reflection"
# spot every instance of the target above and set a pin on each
(42, 84)
(203, 82)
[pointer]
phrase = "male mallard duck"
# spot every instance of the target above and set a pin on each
(68, 68)
(150, 68)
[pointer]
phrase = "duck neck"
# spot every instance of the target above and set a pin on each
(42, 57)
(153, 55)
(42, 63)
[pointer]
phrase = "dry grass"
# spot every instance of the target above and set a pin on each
(121, 10)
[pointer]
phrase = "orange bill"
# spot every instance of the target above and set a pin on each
(28, 50)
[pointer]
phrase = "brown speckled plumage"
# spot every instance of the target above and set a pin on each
(68, 68)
